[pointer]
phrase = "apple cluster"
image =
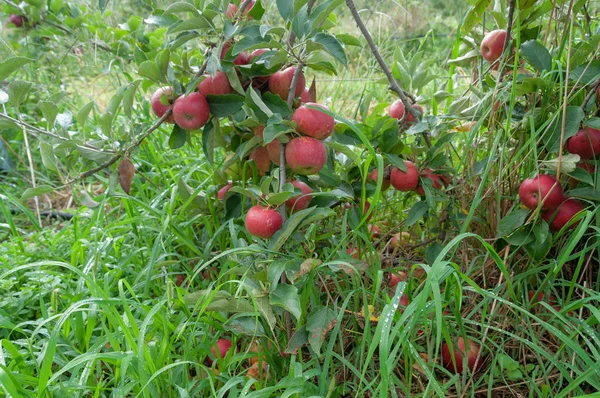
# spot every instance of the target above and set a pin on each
(545, 192)
(410, 179)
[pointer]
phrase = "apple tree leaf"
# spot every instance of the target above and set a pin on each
(126, 171)
(177, 138)
(286, 296)
(537, 55)
(320, 321)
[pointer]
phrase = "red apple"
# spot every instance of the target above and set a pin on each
(493, 44)
(366, 210)
(563, 214)
(399, 239)
(273, 148)
(353, 252)
(396, 110)
(299, 202)
(242, 59)
(261, 157)
(374, 176)
(374, 230)
(585, 143)
(158, 107)
(223, 191)
(405, 180)
(218, 85)
(410, 118)
(281, 81)
(191, 111)
(17, 20)
(305, 96)
(232, 9)
(404, 301)
(263, 222)
(312, 122)
(223, 345)
(259, 131)
(459, 353)
(305, 155)
(258, 52)
(394, 280)
(436, 181)
(544, 186)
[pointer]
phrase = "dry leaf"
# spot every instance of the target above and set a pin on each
(312, 92)
(126, 171)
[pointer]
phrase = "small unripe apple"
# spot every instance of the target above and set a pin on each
(17, 20)
(232, 10)
(563, 214)
(191, 111)
(374, 176)
(223, 191)
(312, 122)
(218, 85)
(493, 44)
(410, 118)
(263, 222)
(542, 186)
(281, 81)
(459, 353)
(242, 59)
(299, 202)
(396, 110)
(158, 107)
(261, 157)
(585, 143)
(405, 180)
(305, 155)
(222, 346)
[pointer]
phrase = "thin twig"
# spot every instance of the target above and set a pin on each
(393, 83)
(589, 95)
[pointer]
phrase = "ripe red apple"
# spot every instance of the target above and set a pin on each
(366, 210)
(232, 10)
(17, 20)
(305, 96)
(353, 251)
(259, 131)
(191, 111)
(261, 157)
(263, 222)
(273, 149)
(436, 181)
(544, 186)
(281, 81)
(374, 176)
(242, 59)
(410, 118)
(258, 52)
(374, 230)
(459, 353)
(585, 143)
(399, 239)
(396, 110)
(493, 44)
(405, 180)
(404, 301)
(563, 214)
(305, 155)
(299, 202)
(158, 107)
(312, 122)
(223, 345)
(223, 191)
(218, 85)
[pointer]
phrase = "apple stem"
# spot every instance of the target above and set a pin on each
(403, 95)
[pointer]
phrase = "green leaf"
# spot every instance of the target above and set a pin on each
(150, 70)
(177, 138)
(574, 116)
(191, 24)
(537, 55)
(416, 212)
(290, 226)
(12, 64)
(31, 192)
(102, 5)
(48, 158)
(320, 321)
(128, 98)
(593, 122)
(244, 325)
(225, 105)
(208, 140)
(84, 112)
(180, 6)
(17, 92)
(539, 249)
(585, 74)
(299, 339)
(348, 40)
(512, 221)
(49, 110)
(286, 9)
(474, 15)
(286, 297)
(332, 46)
